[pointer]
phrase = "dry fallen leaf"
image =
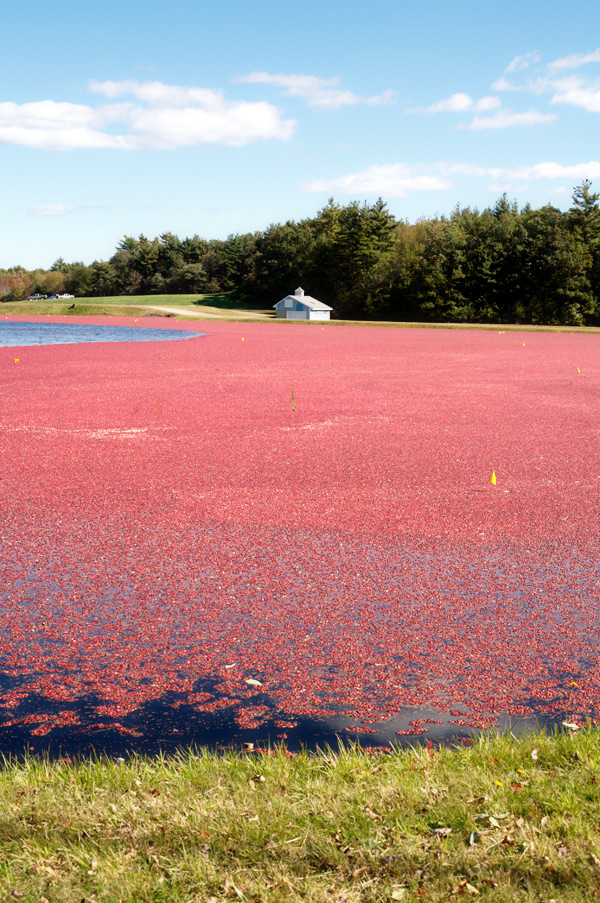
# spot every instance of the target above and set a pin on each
(534, 754)
(358, 872)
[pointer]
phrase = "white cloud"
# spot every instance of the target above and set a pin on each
(578, 93)
(554, 79)
(462, 103)
(59, 126)
(505, 119)
(55, 210)
(523, 61)
(162, 117)
(394, 180)
(159, 94)
(549, 171)
(540, 85)
(323, 93)
(235, 125)
(503, 84)
(575, 60)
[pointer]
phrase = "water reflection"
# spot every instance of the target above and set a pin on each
(17, 335)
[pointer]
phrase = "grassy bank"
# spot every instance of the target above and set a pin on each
(214, 306)
(505, 820)
(221, 306)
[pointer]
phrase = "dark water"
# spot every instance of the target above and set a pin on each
(18, 335)
(168, 725)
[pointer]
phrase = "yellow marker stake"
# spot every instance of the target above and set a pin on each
(578, 370)
(243, 340)
(493, 478)
(16, 360)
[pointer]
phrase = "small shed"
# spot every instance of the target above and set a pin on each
(301, 307)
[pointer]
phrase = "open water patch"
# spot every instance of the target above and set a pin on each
(19, 335)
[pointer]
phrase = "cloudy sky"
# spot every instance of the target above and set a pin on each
(215, 118)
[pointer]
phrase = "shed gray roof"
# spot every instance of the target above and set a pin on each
(307, 301)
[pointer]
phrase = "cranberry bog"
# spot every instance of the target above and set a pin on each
(289, 533)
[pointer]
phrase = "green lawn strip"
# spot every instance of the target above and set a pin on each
(489, 823)
(212, 306)
(222, 306)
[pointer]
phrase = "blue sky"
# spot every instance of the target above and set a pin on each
(215, 118)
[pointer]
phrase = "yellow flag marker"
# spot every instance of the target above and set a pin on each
(493, 478)
(578, 370)
(243, 340)
(16, 360)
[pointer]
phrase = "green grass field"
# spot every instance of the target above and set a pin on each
(214, 306)
(506, 820)
(221, 306)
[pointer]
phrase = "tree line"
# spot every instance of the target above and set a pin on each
(499, 265)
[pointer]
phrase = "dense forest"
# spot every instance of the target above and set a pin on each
(500, 265)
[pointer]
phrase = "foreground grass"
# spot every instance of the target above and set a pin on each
(505, 820)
